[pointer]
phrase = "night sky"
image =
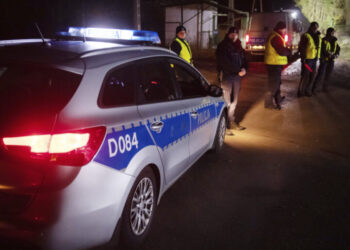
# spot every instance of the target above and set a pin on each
(17, 17)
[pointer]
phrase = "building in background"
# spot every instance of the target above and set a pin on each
(200, 21)
(206, 22)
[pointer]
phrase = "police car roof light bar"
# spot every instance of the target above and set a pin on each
(113, 34)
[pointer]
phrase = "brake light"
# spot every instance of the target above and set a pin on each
(36, 143)
(286, 38)
(247, 38)
(75, 148)
(64, 143)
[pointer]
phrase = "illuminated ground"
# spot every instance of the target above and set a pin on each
(284, 183)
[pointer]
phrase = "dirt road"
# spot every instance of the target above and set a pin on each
(284, 183)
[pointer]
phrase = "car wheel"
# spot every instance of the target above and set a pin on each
(220, 134)
(139, 209)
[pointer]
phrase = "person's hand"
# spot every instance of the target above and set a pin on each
(242, 73)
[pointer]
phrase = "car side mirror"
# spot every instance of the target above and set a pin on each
(214, 91)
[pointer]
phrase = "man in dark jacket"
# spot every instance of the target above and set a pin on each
(309, 48)
(180, 46)
(276, 53)
(329, 51)
(232, 64)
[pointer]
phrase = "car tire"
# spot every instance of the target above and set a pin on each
(220, 134)
(139, 210)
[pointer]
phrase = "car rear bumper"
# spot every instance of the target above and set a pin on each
(79, 215)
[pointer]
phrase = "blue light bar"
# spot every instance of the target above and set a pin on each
(114, 34)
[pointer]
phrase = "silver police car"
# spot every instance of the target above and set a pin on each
(92, 134)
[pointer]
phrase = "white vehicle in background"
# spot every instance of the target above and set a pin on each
(262, 23)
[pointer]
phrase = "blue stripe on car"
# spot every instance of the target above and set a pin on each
(114, 151)
(174, 129)
(120, 146)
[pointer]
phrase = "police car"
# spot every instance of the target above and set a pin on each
(93, 133)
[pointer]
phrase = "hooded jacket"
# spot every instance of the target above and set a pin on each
(230, 57)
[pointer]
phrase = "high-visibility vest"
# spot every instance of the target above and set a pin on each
(311, 51)
(329, 48)
(271, 55)
(185, 52)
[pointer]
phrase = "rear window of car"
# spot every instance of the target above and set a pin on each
(118, 89)
(33, 95)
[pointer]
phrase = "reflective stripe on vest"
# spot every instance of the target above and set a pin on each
(311, 51)
(329, 48)
(271, 55)
(185, 52)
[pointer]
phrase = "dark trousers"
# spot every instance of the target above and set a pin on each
(273, 93)
(307, 77)
(231, 86)
(323, 75)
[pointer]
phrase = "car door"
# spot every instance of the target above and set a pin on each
(199, 105)
(165, 116)
(125, 137)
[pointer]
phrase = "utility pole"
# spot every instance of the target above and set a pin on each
(201, 36)
(261, 6)
(231, 15)
(137, 14)
(253, 6)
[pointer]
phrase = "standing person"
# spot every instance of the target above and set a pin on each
(329, 51)
(180, 46)
(276, 53)
(232, 64)
(310, 49)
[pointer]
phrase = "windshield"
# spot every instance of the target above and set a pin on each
(31, 96)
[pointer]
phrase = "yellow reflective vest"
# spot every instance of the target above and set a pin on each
(271, 55)
(311, 51)
(185, 52)
(329, 48)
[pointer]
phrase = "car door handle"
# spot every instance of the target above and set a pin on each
(194, 114)
(157, 127)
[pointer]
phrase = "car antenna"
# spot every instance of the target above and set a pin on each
(41, 34)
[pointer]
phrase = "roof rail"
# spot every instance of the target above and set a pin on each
(21, 41)
(122, 48)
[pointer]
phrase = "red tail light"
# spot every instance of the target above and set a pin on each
(247, 38)
(75, 148)
(286, 38)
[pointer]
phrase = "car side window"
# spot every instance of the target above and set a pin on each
(118, 88)
(156, 83)
(191, 85)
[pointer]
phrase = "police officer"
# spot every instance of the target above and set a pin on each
(180, 46)
(276, 53)
(310, 49)
(329, 51)
(232, 64)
